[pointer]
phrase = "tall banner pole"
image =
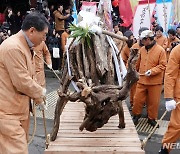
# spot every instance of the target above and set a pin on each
(149, 13)
(165, 16)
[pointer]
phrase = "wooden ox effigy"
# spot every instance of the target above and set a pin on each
(93, 72)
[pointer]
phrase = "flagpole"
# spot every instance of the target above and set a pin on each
(165, 16)
(177, 5)
(149, 13)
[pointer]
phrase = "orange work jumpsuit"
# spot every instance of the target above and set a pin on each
(172, 90)
(148, 89)
(169, 46)
(42, 53)
(64, 38)
(133, 88)
(17, 86)
(162, 41)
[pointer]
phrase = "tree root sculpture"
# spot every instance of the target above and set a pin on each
(93, 71)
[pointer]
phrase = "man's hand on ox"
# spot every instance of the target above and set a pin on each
(148, 73)
(170, 105)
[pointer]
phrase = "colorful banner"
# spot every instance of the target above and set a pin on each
(106, 7)
(176, 4)
(143, 15)
(126, 13)
(74, 13)
(164, 13)
(134, 4)
(89, 7)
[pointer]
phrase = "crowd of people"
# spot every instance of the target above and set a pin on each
(158, 63)
(59, 19)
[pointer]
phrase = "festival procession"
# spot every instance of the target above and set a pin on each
(90, 76)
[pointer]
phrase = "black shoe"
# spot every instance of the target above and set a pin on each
(163, 151)
(136, 119)
(152, 122)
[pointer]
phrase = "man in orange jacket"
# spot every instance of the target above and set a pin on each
(42, 54)
(171, 39)
(138, 46)
(64, 38)
(151, 65)
(160, 38)
(172, 96)
(18, 85)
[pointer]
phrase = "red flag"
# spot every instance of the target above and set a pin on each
(126, 13)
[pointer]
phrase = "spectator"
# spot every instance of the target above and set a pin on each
(53, 42)
(68, 20)
(18, 21)
(10, 18)
(59, 19)
(119, 43)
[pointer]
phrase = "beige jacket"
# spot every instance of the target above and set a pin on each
(162, 41)
(17, 84)
(42, 53)
(119, 43)
(172, 75)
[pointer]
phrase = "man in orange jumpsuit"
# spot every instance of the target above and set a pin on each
(126, 49)
(42, 53)
(171, 39)
(160, 38)
(172, 96)
(64, 38)
(151, 65)
(18, 85)
(138, 46)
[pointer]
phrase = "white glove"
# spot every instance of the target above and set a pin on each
(148, 73)
(42, 106)
(170, 105)
(49, 66)
(43, 93)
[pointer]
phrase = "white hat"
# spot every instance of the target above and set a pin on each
(146, 33)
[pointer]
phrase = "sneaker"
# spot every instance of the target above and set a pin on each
(152, 122)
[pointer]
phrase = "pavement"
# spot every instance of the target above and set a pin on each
(37, 146)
